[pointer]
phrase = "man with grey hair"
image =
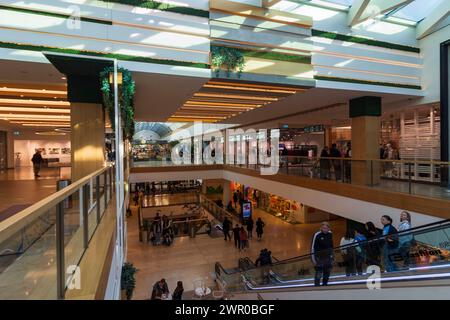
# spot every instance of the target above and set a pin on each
(322, 253)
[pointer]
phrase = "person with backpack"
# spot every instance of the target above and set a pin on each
(226, 226)
(322, 254)
(389, 243)
(260, 228)
(360, 250)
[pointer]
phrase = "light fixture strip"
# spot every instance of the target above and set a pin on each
(38, 110)
(248, 89)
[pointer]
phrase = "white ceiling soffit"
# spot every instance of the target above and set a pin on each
(362, 10)
(441, 12)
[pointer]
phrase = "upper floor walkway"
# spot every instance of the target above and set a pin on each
(328, 189)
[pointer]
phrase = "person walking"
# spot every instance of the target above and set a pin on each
(335, 153)
(360, 250)
(324, 164)
(250, 224)
(405, 240)
(37, 161)
(265, 261)
(243, 239)
(178, 292)
(160, 290)
(226, 226)
(237, 236)
(322, 254)
(373, 247)
(390, 243)
(260, 228)
(235, 199)
(348, 163)
(348, 253)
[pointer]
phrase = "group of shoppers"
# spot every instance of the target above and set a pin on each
(342, 169)
(241, 235)
(160, 291)
(363, 246)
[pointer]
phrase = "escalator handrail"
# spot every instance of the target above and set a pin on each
(380, 238)
(436, 225)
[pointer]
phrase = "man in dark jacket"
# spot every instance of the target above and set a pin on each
(322, 254)
(226, 225)
(237, 236)
(37, 160)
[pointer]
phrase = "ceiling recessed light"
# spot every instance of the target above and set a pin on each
(64, 78)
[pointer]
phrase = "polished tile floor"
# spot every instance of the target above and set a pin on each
(193, 258)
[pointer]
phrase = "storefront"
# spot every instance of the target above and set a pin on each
(412, 135)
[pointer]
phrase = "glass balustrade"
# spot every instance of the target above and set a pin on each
(42, 246)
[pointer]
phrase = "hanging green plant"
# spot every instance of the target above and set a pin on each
(126, 99)
(230, 58)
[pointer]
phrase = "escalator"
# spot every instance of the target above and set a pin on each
(428, 260)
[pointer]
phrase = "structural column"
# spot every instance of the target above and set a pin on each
(365, 113)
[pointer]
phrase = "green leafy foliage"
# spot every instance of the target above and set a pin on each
(230, 58)
(126, 99)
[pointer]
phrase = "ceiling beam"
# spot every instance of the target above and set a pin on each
(441, 12)
(356, 11)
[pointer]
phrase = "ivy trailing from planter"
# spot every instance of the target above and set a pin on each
(230, 58)
(126, 99)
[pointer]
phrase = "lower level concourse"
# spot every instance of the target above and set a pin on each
(191, 259)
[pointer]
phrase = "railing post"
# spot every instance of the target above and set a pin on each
(409, 178)
(97, 196)
(85, 215)
(60, 264)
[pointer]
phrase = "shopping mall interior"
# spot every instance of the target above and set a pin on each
(224, 150)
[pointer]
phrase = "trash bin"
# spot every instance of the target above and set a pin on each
(61, 184)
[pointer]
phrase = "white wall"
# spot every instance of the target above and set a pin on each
(430, 52)
(27, 149)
